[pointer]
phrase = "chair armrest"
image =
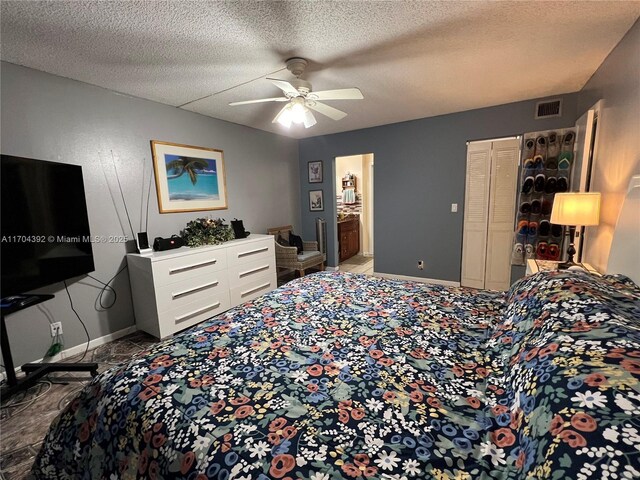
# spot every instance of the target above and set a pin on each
(283, 249)
(310, 245)
(283, 252)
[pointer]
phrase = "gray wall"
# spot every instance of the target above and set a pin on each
(419, 172)
(54, 118)
(617, 155)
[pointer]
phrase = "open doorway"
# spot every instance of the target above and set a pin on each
(354, 212)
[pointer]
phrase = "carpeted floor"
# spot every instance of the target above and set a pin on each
(25, 418)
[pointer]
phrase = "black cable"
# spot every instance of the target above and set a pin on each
(79, 319)
(102, 291)
(107, 286)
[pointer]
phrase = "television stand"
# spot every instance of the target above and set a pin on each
(33, 371)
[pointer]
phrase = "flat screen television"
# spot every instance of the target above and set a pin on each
(44, 224)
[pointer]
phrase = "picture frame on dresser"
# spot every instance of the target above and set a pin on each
(188, 178)
(314, 171)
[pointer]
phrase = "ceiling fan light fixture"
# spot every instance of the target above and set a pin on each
(302, 101)
(309, 119)
(285, 117)
(298, 110)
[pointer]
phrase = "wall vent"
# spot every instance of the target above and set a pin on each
(551, 108)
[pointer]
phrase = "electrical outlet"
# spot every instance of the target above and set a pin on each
(56, 329)
(420, 264)
(454, 208)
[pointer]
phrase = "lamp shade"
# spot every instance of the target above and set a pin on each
(576, 208)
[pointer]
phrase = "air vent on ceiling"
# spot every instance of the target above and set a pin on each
(551, 108)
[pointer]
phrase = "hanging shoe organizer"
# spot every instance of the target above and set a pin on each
(547, 160)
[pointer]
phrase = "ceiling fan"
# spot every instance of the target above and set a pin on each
(301, 99)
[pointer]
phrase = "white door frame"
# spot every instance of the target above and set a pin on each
(588, 126)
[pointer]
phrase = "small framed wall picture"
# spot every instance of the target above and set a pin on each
(316, 202)
(315, 171)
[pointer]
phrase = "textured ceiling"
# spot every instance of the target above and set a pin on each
(410, 59)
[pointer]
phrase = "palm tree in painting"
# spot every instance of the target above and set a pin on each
(186, 165)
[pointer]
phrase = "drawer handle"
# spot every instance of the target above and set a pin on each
(197, 312)
(249, 292)
(194, 290)
(191, 267)
(255, 270)
(253, 252)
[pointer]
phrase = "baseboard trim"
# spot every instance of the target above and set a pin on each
(96, 342)
(446, 283)
(69, 352)
(332, 269)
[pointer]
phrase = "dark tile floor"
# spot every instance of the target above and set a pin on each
(25, 417)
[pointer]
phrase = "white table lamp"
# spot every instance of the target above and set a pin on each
(573, 209)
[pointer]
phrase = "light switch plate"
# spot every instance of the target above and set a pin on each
(454, 207)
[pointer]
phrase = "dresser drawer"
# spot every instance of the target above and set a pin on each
(255, 288)
(249, 252)
(174, 270)
(201, 287)
(245, 273)
(192, 313)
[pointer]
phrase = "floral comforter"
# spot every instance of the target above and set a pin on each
(338, 376)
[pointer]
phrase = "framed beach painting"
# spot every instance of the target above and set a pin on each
(315, 171)
(316, 202)
(188, 179)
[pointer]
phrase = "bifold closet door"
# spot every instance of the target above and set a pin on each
(502, 199)
(476, 213)
(490, 195)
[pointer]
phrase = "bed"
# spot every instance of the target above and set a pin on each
(348, 376)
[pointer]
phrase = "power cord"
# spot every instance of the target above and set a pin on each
(79, 319)
(57, 342)
(25, 401)
(107, 286)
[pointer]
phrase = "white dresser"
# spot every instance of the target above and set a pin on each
(176, 289)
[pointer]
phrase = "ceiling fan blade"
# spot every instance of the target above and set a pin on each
(341, 94)
(285, 86)
(309, 119)
(260, 100)
(330, 112)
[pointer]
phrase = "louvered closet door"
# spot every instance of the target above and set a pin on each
(502, 197)
(476, 201)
